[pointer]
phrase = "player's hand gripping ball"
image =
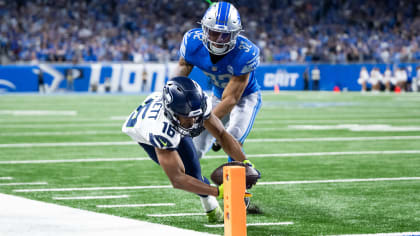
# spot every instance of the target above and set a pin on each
(251, 174)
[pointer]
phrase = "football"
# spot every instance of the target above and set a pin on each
(251, 174)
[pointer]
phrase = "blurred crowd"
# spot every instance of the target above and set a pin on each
(296, 31)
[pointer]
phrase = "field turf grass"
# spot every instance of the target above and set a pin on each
(332, 208)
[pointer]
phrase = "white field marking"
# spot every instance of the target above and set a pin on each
(37, 113)
(76, 160)
(91, 197)
(6, 178)
(91, 188)
(66, 125)
(356, 127)
(337, 181)
(384, 234)
(176, 214)
(122, 118)
(251, 224)
(89, 132)
(28, 183)
(136, 205)
(67, 144)
(214, 157)
(20, 216)
(375, 121)
(259, 184)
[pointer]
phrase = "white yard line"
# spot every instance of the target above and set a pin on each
(213, 157)
(37, 113)
(89, 132)
(176, 214)
(259, 184)
(92, 188)
(24, 217)
(27, 183)
(57, 125)
(136, 205)
(76, 160)
(6, 178)
(384, 234)
(251, 224)
(337, 181)
(91, 197)
(329, 139)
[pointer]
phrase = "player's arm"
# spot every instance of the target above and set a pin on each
(229, 144)
(231, 95)
(171, 163)
(183, 69)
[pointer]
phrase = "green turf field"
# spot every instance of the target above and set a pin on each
(345, 163)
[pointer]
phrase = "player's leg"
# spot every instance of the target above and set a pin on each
(189, 157)
(242, 117)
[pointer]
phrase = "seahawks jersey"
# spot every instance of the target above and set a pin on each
(243, 59)
(148, 124)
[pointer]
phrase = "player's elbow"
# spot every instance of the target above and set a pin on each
(177, 182)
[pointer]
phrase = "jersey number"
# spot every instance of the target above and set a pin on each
(168, 129)
(220, 81)
(133, 118)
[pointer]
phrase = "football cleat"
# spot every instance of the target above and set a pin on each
(216, 215)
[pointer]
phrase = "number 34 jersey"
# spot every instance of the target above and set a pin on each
(148, 124)
(243, 59)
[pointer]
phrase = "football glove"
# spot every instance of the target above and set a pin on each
(221, 191)
(249, 163)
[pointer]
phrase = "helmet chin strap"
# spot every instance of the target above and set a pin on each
(218, 51)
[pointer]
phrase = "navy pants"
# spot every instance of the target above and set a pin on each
(188, 154)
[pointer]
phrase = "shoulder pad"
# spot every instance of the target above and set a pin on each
(248, 56)
(191, 40)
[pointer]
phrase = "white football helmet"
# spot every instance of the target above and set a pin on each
(221, 26)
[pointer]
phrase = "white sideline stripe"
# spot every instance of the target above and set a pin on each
(177, 214)
(5, 178)
(136, 205)
(248, 140)
(91, 197)
(20, 216)
(91, 188)
(59, 133)
(170, 186)
(37, 112)
(214, 157)
(252, 224)
(375, 121)
(384, 234)
(337, 181)
(76, 160)
(28, 183)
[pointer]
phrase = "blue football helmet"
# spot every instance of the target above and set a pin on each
(182, 96)
(221, 26)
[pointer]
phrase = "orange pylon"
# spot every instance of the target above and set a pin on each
(276, 89)
(234, 204)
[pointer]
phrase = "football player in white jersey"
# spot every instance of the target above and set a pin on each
(229, 60)
(164, 126)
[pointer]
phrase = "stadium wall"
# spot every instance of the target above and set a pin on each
(135, 78)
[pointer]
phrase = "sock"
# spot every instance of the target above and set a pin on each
(209, 203)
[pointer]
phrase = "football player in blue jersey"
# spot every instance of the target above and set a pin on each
(164, 125)
(229, 60)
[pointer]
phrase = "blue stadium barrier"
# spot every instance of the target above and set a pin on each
(128, 78)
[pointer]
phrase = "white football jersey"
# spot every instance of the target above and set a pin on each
(148, 124)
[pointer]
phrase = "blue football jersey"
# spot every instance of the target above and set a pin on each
(243, 59)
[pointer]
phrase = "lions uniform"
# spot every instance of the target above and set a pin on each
(242, 59)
